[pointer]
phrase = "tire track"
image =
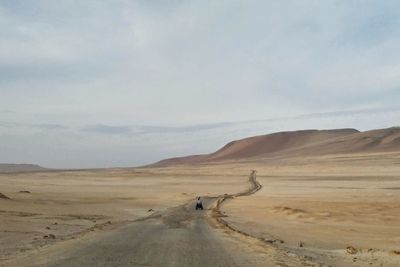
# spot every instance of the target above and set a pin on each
(282, 258)
(217, 214)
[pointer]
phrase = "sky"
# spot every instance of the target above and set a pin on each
(123, 83)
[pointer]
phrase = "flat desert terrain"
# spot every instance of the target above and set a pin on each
(327, 204)
(313, 208)
(70, 204)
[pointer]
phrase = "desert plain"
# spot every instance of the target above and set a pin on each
(314, 209)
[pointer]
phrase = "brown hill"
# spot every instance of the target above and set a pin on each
(383, 140)
(298, 143)
(276, 143)
(14, 168)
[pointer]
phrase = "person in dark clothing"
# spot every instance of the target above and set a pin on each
(199, 204)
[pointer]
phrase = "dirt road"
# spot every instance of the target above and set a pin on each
(180, 236)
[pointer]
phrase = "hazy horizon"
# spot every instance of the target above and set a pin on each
(192, 137)
(126, 83)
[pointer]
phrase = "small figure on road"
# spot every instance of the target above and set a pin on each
(199, 204)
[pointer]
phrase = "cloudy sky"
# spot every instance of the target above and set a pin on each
(124, 83)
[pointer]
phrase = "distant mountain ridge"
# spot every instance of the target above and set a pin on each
(297, 143)
(15, 168)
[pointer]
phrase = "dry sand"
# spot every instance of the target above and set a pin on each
(328, 204)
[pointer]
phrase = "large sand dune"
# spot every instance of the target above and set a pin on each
(306, 142)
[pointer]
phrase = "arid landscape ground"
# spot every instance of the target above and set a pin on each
(328, 198)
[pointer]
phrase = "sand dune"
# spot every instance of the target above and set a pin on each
(384, 140)
(276, 143)
(15, 168)
(306, 142)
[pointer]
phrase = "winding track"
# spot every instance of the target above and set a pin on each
(180, 236)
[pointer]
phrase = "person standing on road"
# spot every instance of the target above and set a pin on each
(199, 204)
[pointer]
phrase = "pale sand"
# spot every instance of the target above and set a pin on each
(328, 203)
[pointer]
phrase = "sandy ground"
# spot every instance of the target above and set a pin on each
(71, 204)
(325, 203)
(328, 204)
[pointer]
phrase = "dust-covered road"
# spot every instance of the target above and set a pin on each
(180, 236)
